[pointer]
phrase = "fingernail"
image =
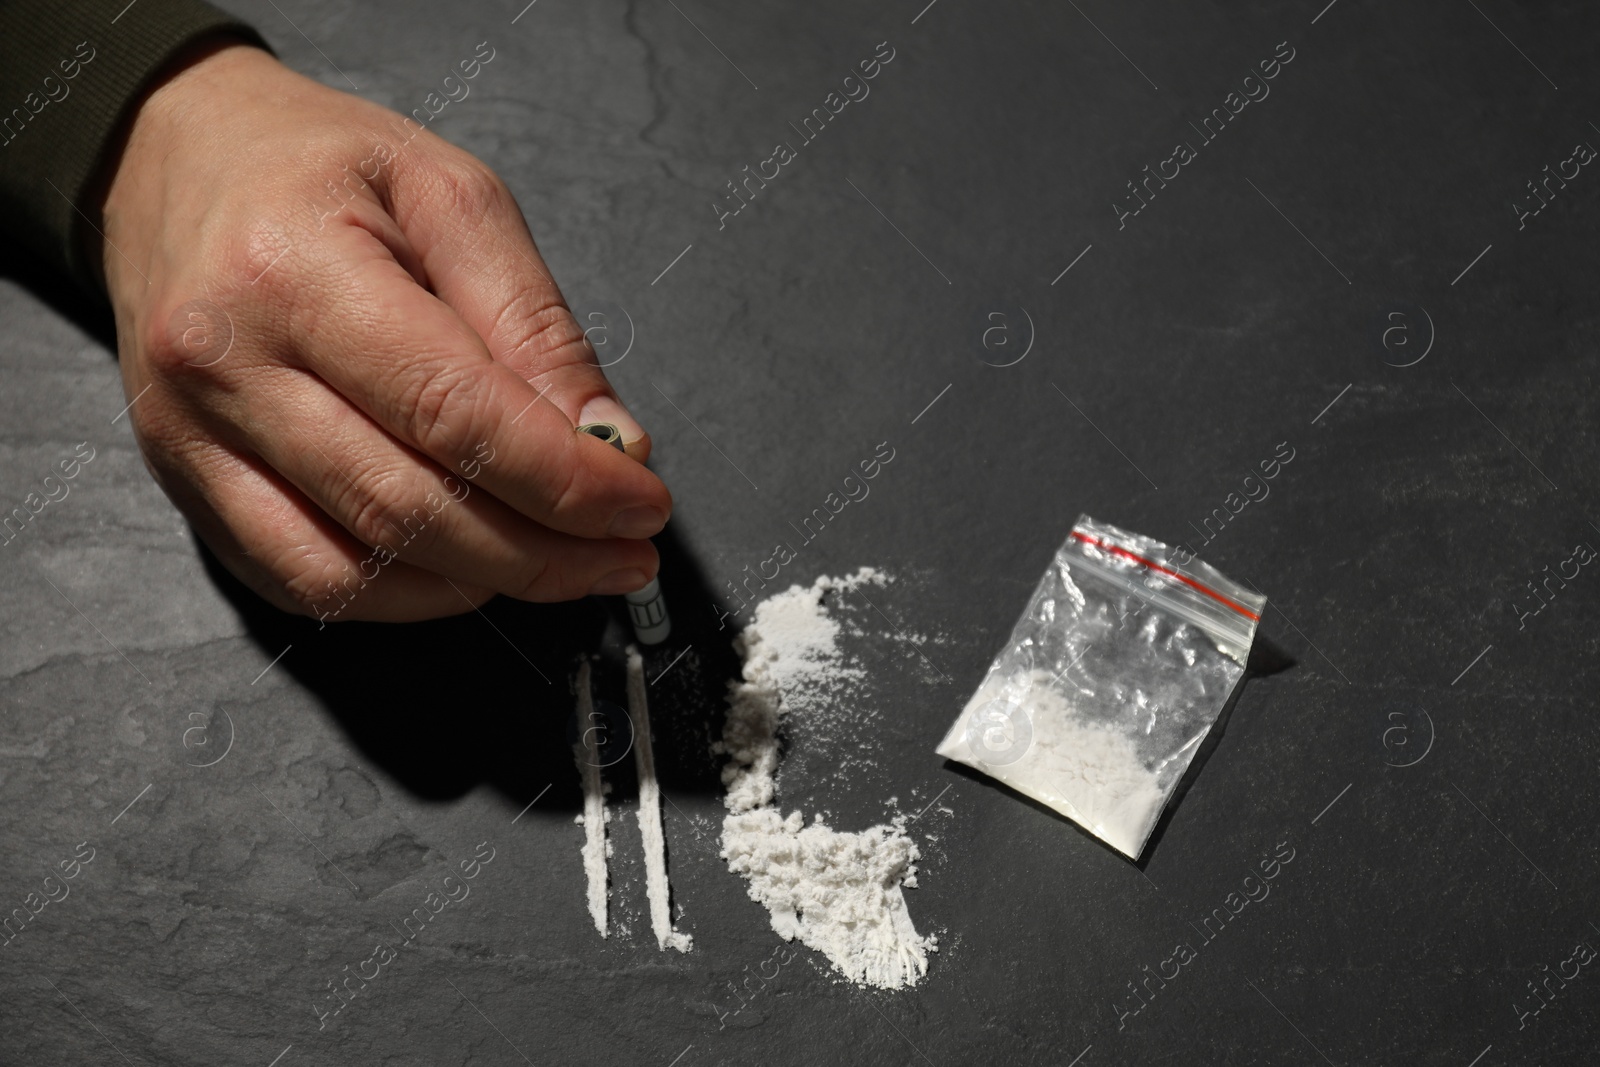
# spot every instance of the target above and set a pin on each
(620, 582)
(641, 521)
(605, 409)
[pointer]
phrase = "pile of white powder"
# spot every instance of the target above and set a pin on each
(839, 893)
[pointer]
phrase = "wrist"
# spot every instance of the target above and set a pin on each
(199, 79)
(165, 115)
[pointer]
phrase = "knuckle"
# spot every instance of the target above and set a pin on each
(568, 491)
(444, 408)
(166, 358)
(318, 584)
(388, 509)
(559, 579)
(301, 588)
(536, 581)
(471, 188)
(537, 319)
(256, 258)
(294, 576)
(190, 340)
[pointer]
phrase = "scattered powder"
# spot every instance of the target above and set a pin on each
(1091, 769)
(657, 890)
(832, 735)
(586, 752)
(840, 893)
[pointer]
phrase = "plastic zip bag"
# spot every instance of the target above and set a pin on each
(1112, 677)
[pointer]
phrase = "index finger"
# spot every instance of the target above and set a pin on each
(416, 368)
(481, 259)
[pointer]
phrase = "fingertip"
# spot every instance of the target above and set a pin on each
(643, 520)
(640, 556)
(628, 580)
(605, 408)
(593, 567)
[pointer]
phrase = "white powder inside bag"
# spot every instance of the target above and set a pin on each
(838, 892)
(1092, 770)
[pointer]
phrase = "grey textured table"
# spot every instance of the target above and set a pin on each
(1338, 271)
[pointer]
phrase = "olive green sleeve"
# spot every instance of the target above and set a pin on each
(71, 74)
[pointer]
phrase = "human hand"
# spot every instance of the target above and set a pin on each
(349, 366)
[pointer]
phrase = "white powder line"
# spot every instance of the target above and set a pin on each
(657, 889)
(586, 753)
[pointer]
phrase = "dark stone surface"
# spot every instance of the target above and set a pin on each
(1221, 321)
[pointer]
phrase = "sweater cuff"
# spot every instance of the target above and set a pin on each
(73, 75)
